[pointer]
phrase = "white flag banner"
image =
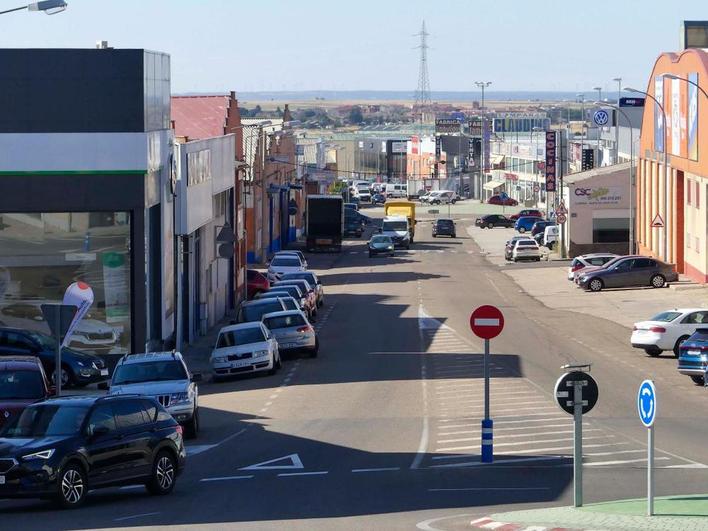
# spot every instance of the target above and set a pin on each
(78, 294)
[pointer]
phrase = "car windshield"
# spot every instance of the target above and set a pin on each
(153, 371)
(665, 317)
(284, 321)
(244, 336)
(395, 225)
(286, 261)
(46, 341)
(293, 291)
(613, 261)
(444, 222)
(381, 239)
(256, 311)
(21, 385)
(290, 304)
(47, 420)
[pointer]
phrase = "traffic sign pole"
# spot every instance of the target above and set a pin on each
(646, 407)
(578, 443)
(650, 471)
(487, 423)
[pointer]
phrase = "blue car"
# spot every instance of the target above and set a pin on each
(525, 223)
(693, 356)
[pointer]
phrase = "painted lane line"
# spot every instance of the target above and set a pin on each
(484, 489)
(625, 462)
(273, 397)
(382, 469)
(502, 461)
(268, 404)
(290, 474)
(599, 454)
(543, 441)
(226, 478)
(123, 518)
(559, 449)
(496, 418)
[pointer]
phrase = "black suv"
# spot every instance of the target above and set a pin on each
(444, 227)
(62, 447)
(494, 220)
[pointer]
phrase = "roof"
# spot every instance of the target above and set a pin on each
(19, 362)
(596, 172)
(150, 356)
(241, 326)
(283, 313)
(200, 116)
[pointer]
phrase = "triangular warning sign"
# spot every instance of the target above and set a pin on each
(658, 221)
(293, 459)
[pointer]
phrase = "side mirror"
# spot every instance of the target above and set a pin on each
(98, 431)
(196, 377)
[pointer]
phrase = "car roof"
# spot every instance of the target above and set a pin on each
(240, 326)
(145, 357)
(256, 302)
(283, 313)
(8, 363)
(687, 310)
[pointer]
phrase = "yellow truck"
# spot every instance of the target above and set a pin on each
(402, 208)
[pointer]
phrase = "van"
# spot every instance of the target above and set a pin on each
(402, 208)
(550, 236)
(395, 190)
(396, 227)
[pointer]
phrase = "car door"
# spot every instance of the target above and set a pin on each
(642, 271)
(105, 449)
(137, 434)
(694, 320)
(620, 275)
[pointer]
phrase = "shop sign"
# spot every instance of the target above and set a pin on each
(447, 125)
(550, 161)
(597, 195)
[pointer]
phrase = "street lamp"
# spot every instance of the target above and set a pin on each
(482, 85)
(537, 186)
(674, 76)
(666, 170)
(599, 93)
(618, 80)
(50, 7)
(631, 169)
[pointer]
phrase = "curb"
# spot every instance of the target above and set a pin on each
(489, 523)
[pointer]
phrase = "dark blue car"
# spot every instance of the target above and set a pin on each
(693, 356)
(525, 223)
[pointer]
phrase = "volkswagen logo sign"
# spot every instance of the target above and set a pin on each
(601, 117)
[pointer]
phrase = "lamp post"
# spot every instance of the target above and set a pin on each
(619, 96)
(536, 194)
(666, 171)
(599, 129)
(482, 85)
(673, 76)
(50, 7)
(631, 170)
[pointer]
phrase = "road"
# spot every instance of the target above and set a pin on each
(382, 430)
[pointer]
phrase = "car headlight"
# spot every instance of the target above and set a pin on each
(44, 454)
(176, 398)
(219, 359)
(260, 353)
(389, 247)
(80, 363)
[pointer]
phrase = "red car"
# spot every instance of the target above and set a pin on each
(256, 282)
(22, 382)
(507, 201)
(531, 212)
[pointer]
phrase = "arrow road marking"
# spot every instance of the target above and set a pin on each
(295, 464)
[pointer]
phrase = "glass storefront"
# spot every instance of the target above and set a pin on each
(42, 254)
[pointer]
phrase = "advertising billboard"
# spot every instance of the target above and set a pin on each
(693, 116)
(550, 161)
(658, 117)
(447, 125)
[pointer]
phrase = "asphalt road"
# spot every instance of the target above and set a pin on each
(382, 430)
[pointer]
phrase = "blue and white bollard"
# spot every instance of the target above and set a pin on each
(87, 241)
(487, 441)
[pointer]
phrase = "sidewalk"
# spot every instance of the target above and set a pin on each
(549, 285)
(684, 512)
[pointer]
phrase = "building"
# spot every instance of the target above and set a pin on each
(679, 82)
(86, 191)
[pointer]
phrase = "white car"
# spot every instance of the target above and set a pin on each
(588, 260)
(284, 263)
(244, 348)
(526, 250)
(442, 197)
(667, 330)
(299, 254)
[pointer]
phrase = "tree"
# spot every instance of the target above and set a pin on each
(355, 115)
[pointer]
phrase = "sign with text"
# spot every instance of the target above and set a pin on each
(550, 161)
(447, 125)
(475, 127)
(486, 139)
(596, 195)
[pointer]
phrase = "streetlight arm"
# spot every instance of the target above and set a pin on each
(674, 76)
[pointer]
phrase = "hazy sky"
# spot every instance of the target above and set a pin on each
(220, 45)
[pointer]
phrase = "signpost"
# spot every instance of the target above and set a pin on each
(59, 317)
(487, 322)
(646, 407)
(583, 399)
(601, 117)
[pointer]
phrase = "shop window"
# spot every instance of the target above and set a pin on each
(610, 230)
(40, 260)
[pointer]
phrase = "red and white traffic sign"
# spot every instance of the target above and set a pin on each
(487, 322)
(657, 222)
(560, 218)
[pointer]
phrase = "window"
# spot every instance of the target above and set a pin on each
(154, 371)
(623, 266)
(234, 338)
(696, 318)
(643, 263)
(149, 410)
(665, 317)
(21, 384)
(285, 321)
(610, 230)
(102, 416)
(47, 420)
(129, 413)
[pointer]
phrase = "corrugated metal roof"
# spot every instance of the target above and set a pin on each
(595, 172)
(199, 117)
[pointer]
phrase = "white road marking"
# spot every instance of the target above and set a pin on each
(598, 454)
(484, 489)
(625, 462)
(558, 449)
(295, 463)
(501, 461)
(486, 322)
(290, 474)
(382, 469)
(226, 478)
(134, 516)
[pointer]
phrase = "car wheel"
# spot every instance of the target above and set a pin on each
(595, 285)
(522, 230)
(72, 486)
(314, 351)
(652, 351)
(164, 474)
(192, 428)
(67, 377)
(677, 346)
(490, 225)
(658, 281)
(698, 380)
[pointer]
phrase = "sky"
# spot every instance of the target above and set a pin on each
(274, 45)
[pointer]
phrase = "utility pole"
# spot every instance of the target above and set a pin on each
(423, 101)
(483, 162)
(619, 96)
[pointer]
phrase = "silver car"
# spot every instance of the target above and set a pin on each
(312, 278)
(293, 331)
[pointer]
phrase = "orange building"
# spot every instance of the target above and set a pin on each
(679, 82)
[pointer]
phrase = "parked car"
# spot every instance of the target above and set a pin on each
(533, 212)
(629, 271)
(667, 330)
(378, 199)
(313, 279)
(511, 243)
(306, 303)
(352, 206)
(540, 226)
(62, 447)
(284, 264)
(165, 377)
(693, 356)
(493, 220)
(588, 260)
(504, 201)
(22, 382)
(525, 223)
(256, 282)
(588, 269)
(299, 254)
(444, 227)
(290, 302)
(381, 244)
(442, 197)
(307, 289)
(526, 250)
(253, 310)
(293, 332)
(78, 368)
(352, 224)
(244, 348)
(423, 198)
(550, 236)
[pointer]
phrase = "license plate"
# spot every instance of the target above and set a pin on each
(323, 241)
(241, 363)
(104, 372)
(289, 345)
(2, 480)
(694, 352)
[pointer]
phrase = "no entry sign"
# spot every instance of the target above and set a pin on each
(487, 322)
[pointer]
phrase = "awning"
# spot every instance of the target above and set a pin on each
(497, 159)
(491, 185)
